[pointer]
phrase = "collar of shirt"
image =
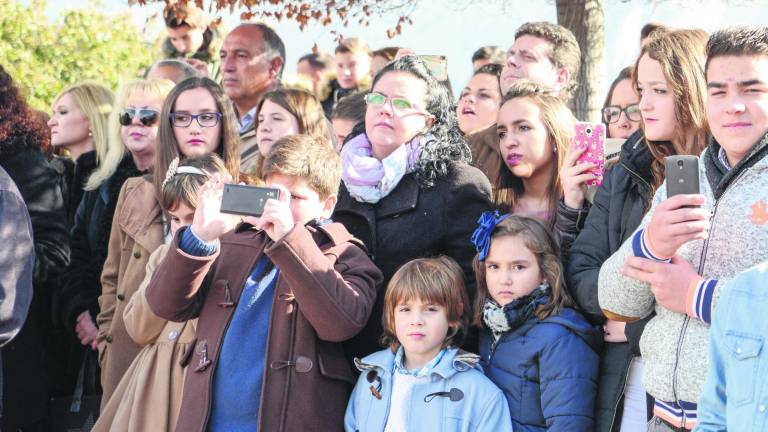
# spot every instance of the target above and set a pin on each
(723, 158)
(247, 120)
(420, 372)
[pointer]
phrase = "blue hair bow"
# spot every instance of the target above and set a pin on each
(481, 238)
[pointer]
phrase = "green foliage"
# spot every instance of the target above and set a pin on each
(43, 57)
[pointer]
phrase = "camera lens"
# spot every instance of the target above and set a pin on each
(588, 131)
(680, 163)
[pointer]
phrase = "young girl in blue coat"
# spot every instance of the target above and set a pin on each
(540, 352)
(422, 382)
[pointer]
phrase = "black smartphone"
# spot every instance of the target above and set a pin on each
(246, 200)
(682, 174)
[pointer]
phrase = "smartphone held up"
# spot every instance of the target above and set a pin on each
(246, 200)
(591, 138)
(682, 175)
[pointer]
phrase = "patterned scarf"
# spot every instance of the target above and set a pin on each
(502, 319)
(368, 179)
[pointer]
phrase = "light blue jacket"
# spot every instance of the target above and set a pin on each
(481, 407)
(735, 396)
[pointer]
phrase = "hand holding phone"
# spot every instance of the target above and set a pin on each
(680, 218)
(579, 169)
(276, 218)
(209, 222)
(590, 137)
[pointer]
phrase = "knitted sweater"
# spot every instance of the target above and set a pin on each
(675, 346)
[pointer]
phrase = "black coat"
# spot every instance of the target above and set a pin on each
(617, 210)
(73, 176)
(81, 282)
(413, 222)
(34, 361)
(81, 285)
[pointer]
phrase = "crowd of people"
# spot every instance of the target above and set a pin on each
(431, 260)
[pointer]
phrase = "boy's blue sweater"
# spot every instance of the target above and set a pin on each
(240, 367)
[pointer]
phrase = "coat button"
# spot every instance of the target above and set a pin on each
(136, 254)
(108, 338)
(303, 364)
(120, 297)
(173, 335)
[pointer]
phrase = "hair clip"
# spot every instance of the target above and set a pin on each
(171, 170)
(481, 238)
(174, 169)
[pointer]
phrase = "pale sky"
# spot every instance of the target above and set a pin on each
(456, 28)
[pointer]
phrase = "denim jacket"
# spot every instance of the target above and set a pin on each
(735, 396)
(478, 405)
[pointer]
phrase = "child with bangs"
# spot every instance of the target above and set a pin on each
(422, 381)
(148, 396)
(540, 351)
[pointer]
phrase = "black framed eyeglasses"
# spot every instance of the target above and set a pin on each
(147, 117)
(611, 114)
(206, 119)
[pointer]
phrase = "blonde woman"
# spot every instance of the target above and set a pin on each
(79, 125)
(123, 155)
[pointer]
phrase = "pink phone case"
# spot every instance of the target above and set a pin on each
(592, 137)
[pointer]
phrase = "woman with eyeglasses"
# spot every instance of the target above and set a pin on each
(407, 189)
(195, 119)
(129, 151)
(621, 111)
(669, 78)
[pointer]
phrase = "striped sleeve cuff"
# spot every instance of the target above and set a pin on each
(699, 300)
(191, 244)
(640, 248)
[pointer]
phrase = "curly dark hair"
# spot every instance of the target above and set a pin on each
(18, 122)
(446, 143)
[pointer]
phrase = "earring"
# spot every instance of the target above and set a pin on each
(90, 134)
(544, 285)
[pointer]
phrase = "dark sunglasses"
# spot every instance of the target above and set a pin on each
(147, 117)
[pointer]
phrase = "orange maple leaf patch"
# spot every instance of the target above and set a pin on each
(759, 214)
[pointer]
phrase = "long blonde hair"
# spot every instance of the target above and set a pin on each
(115, 148)
(96, 102)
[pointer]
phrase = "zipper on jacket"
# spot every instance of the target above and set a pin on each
(623, 389)
(636, 175)
(495, 344)
(687, 319)
(700, 272)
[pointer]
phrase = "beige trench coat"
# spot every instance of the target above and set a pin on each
(149, 395)
(137, 230)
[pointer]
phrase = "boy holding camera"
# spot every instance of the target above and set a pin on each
(275, 298)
